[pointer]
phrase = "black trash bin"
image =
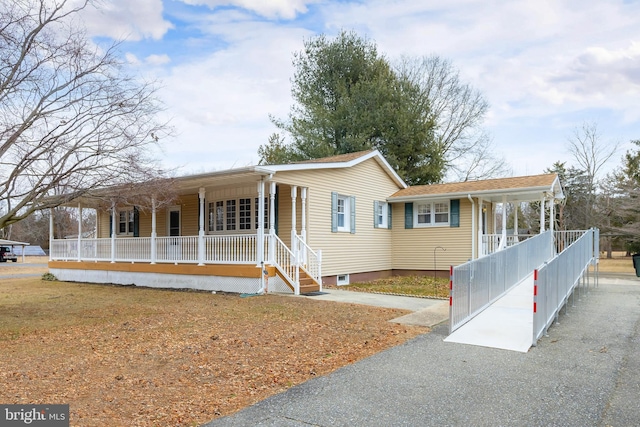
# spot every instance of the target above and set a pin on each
(636, 264)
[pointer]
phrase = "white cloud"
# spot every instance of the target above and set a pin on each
(157, 59)
(126, 19)
(272, 9)
(221, 102)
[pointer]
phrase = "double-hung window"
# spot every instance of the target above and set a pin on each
(125, 222)
(431, 214)
(381, 214)
(343, 213)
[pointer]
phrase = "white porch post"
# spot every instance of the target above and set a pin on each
(294, 195)
(503, 239)
(113, 232)
(201, 195)
(481, 248)
(79, 231)
(272, 220)
(303, 201)
(542, 215)
(303, 229)
(51, 234)
(552, 216)
(473, 227)
(154, 249)
(515, 218)
(260, 236)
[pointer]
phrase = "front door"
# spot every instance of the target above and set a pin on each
(173, 225)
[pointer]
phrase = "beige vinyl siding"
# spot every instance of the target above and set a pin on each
(103, 224)
(342, 253)
(145, 223)
(413, 248)
(284, 213)
(189, 206)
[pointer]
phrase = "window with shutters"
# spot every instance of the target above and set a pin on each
(429, 214)
(381, 214)
(343, 213)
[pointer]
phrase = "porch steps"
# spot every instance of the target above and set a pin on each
(307, 284)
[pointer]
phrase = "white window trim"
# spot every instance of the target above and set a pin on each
(385, 215)
(342, 279)
(347, 214)
(432, 214)
(128, 221)
(251, 212)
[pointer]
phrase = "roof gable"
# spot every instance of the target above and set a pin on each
(342, 161)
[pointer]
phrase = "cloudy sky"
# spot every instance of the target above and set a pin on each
(546, 66)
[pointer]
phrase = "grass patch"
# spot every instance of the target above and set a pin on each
(417, 286)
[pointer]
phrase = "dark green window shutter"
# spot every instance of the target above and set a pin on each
(110, 222)
(389, 217)
(408, 215)
(454, 214)
(334, 212)
(352, 203)
(375, 214)
(136, 222)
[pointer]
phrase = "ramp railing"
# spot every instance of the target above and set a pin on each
(557, 280)
(478, 283)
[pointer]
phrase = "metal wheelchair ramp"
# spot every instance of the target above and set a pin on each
(506, 324)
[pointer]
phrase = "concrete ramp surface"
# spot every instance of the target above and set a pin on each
(506, 324)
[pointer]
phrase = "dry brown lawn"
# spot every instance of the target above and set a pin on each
(145, 357)
(618, 263)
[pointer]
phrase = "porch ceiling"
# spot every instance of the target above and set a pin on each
(191, 184)
(129, 194)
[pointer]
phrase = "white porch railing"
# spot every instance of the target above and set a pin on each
(238, 249)
(310, 261)
(285, 261)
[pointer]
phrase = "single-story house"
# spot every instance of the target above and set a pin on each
(295, 227)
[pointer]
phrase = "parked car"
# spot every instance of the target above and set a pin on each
(6, 254)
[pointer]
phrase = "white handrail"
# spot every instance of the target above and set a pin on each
(286, 262)
(309, 261)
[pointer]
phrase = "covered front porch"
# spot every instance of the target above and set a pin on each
(236, 247)
(495, 206)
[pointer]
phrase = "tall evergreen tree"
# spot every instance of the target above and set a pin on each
(348, 99)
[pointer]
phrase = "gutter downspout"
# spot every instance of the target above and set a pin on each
(473, 227)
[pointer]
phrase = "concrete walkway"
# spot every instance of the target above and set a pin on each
(585, 373)
(426, 311)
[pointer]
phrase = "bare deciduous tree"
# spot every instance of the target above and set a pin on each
(589, 151)
(591, 155)
(458, 111)
(71, 118)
